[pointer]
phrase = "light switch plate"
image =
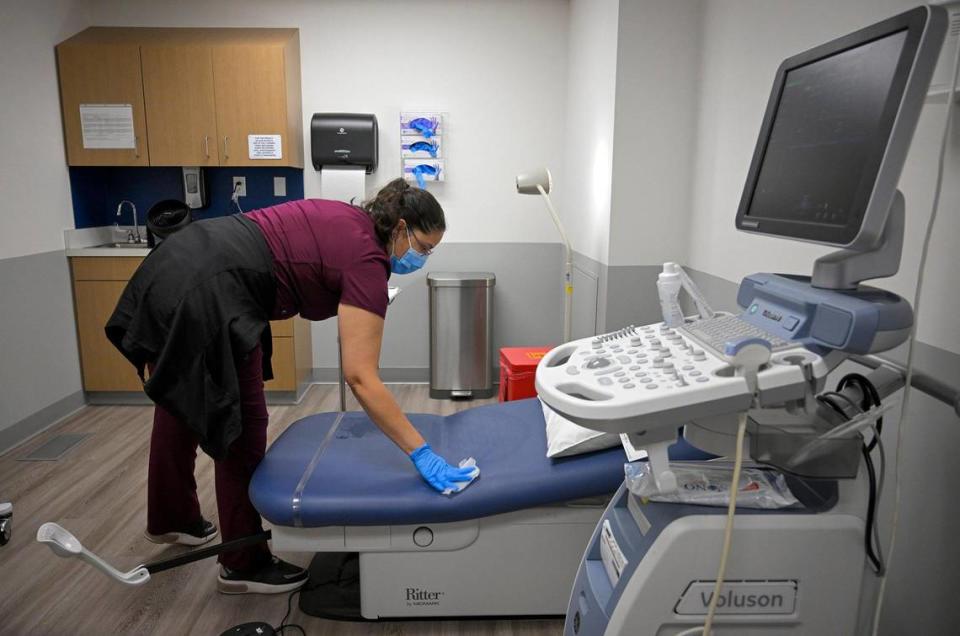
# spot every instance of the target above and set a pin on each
(279, 186)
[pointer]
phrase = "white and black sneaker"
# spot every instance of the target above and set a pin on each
(202, 532)
(276, 577)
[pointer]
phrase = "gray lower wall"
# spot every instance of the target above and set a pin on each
(587, 276)
(719, 292)
(923, 576)
(631, 296)
(39, 364)
(608, 297)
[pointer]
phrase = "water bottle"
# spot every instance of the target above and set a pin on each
(668, 287)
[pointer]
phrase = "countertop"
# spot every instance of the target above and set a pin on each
(108, 251)
(97, 241)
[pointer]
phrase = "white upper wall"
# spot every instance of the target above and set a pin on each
(35, 204)
(526, 84)
(658, 75)
(585, 188)
(497, 67)
(743, 43)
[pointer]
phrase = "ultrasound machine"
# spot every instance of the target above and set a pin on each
(825, 169)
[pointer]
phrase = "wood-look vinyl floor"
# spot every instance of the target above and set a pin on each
(98, 492)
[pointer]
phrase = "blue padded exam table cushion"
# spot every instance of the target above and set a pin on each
(353, 475)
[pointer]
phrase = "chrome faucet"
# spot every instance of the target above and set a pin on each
(136, 226)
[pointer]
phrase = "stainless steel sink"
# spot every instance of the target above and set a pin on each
(127, 245)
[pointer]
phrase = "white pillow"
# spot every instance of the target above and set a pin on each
(564, 438)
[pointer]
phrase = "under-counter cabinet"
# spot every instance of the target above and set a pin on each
(199, 97)
(98, 282)
(97, 285)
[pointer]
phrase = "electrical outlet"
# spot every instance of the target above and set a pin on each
(242, 190)
(279, 186)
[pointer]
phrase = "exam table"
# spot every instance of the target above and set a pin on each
(508, 545)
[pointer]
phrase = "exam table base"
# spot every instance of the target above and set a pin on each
(516, 564)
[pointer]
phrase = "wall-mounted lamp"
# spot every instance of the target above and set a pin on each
(541, 182)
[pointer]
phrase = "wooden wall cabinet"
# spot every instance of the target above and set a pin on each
(98, 282)
(181, 111)
(197, 94)
(252, 82)
(101, 73)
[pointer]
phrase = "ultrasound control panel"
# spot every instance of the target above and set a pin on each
(655, 375)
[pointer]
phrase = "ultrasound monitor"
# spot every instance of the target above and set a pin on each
(837, 130)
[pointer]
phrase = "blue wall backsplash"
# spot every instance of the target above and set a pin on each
(97, 191)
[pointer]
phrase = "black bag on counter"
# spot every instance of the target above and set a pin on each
(165, 218)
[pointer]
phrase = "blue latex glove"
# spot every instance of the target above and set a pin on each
(438, 473)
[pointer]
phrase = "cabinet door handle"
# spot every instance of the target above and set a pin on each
(226, 147)
(136, 147)
(206, 145)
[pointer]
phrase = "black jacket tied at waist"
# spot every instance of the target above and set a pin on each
(198, 303)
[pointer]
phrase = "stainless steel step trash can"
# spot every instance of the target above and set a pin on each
(461, 334)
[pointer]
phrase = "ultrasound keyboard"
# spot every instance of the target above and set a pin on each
(717, 331)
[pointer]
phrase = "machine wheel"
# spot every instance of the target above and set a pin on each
(6, 529)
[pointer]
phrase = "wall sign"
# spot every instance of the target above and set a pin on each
(107, 126)
(264, 147)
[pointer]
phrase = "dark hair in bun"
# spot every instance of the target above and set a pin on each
(399, 200)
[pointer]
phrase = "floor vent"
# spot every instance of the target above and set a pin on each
(55, 448)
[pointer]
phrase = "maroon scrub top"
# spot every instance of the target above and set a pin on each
(324, 253)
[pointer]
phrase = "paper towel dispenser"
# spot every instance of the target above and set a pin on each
(344, 139)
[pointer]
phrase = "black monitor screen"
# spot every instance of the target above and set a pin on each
(827, 138)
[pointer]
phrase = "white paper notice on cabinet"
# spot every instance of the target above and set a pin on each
(107, 126)
(264, 147)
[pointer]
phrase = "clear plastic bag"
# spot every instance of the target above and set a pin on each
(704, 484)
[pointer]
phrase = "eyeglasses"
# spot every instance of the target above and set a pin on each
(425, 251)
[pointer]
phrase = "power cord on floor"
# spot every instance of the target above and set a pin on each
(283, 622)
(310, 586)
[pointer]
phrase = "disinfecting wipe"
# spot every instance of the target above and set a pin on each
(669, 283)
(460, 486)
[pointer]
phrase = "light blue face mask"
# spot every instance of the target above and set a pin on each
(411, 261)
